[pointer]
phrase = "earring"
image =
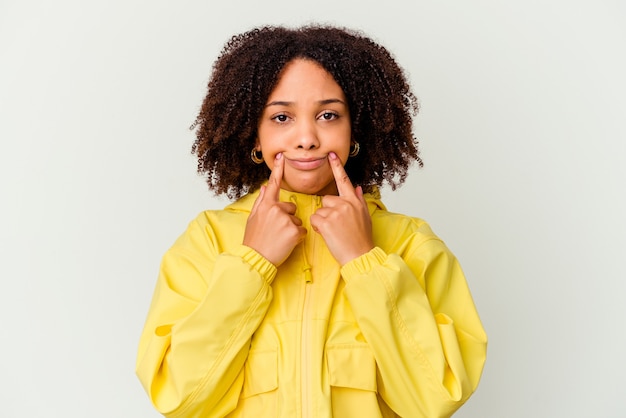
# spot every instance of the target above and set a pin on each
(256, 156)
(354, 149)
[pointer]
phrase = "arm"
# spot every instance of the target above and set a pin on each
(208, 304)
(205, 308)
(413, 307)
(418, 316)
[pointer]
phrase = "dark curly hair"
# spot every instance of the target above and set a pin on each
(380, 101)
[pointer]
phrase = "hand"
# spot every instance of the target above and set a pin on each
(272, 229)
(344, 221)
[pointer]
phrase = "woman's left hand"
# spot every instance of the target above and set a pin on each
(344, 221)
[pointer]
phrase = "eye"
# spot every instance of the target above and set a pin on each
(329, 115)
(280, 118)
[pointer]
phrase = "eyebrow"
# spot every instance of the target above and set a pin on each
(319, 102)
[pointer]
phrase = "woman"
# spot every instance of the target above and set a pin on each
(306, 297)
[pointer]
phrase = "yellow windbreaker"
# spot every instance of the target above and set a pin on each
(392, 333)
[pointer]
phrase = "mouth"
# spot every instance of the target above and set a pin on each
(306, 163)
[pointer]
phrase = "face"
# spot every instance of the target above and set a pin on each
(306, 117)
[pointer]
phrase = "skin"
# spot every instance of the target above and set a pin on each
(305, 131)
(306, 117)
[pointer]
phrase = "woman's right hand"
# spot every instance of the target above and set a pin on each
(273, 230)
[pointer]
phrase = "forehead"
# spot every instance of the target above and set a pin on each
(306, 77)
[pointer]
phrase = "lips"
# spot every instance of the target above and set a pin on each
(306, 163)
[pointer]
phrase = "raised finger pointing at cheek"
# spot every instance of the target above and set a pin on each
(344, 221)
(344, 185)
(272, 228)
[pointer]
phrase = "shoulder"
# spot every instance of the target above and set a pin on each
(209, 230)
(407, 236)
(392, 223)
(402, 224)
(231, 217)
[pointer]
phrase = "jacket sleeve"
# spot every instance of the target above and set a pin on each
(205, 308)
(417, 314)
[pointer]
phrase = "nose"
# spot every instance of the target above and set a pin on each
(307, 136)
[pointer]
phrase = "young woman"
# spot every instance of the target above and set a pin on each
(306, 297)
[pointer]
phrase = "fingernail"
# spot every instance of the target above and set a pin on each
(279, 155)
(332, 155)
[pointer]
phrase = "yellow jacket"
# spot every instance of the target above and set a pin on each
(391, 333)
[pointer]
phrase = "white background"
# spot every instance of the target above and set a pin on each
(522, 129)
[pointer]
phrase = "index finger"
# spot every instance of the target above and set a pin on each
(276, 178)
(344, 185)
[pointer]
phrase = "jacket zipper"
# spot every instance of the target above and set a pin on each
(306, 360)
(307, 312)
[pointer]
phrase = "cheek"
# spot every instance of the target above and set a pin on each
(264, 134)
(266, 147)
(269, 156)
(347, 136)
(343, 149)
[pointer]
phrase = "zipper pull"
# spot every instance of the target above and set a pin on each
(308, 277)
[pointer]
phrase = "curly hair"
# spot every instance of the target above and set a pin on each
(248, 68)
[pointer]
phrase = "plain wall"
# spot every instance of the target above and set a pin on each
(522, 128)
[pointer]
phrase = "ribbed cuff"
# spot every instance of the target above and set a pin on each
(259, 263)
(363, 264)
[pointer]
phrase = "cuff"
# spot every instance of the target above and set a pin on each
(363, 264)
(259, 263)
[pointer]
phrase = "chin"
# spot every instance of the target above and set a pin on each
(312, 185)
(317, 189)
(306, 190)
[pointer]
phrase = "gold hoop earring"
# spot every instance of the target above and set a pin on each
(256, 156)
(354, 149)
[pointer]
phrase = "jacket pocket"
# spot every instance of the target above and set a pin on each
(260, 386)
(352, 379)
